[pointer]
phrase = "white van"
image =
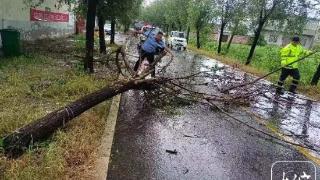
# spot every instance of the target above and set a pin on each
(177, 40)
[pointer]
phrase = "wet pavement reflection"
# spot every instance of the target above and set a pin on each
(294, 115)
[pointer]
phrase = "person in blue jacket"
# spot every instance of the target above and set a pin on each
(151, 47)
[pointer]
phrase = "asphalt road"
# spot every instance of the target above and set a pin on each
(197, 142)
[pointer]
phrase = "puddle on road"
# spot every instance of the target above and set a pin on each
(297, 116)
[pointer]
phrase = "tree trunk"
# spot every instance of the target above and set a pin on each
(235, 28)
(17, 142)
(91, 14)
(316, 77)
(77, 25)
(255, 42)
(188, 33)
(167, 29)
(113, 30)
(230, 41)
(126, 28)
(223, 24)
(198, 39)
(102, 41)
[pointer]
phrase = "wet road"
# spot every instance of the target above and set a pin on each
(209, 145)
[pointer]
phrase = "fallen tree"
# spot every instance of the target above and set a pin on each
(166, 88)
(16, 143)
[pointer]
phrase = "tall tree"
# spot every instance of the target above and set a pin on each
(230, 13)
(91, 15)
(120, 10)
(113, 30)
(316, 77)
(199, 15)
(238, 21)
(226, 9)
(102, 42)
(265, 10)
(131, 12)
(155, 13)
(182, 12)
(168, 14)
(237, 27)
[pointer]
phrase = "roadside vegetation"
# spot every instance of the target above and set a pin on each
(38, 83)
(201, 20)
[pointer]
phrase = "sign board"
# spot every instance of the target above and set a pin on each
(47, 16)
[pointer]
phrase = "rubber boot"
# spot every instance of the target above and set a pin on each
(280, 89)
(293, 86)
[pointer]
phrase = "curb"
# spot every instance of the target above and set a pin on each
(104, 152)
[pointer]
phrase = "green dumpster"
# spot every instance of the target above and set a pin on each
(10, 42)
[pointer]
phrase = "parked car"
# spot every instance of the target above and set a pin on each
(177, 40)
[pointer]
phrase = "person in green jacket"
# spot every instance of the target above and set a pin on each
(289, 54)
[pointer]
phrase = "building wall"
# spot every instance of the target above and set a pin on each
(273, 37)
(15, 14)
(276, 38)
(238, 39)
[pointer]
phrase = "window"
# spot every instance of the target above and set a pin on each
(177, 34)
(181, 35)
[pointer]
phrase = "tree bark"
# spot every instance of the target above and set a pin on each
(126, 28)
(113, 30)
(235, 29)
(172, 27)
(17, 142)
(102, 41)
(316, 77)
(188, 34)
(198, 39)
(167, 29)
(255, 42)
(230, 41)
(77, 25)
(91, 14)
(223, 25)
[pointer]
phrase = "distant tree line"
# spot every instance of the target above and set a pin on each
(235, 15)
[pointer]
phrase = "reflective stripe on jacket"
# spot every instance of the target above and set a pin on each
(291, 53)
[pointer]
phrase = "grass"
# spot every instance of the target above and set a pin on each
(266, 59)
(31, 87)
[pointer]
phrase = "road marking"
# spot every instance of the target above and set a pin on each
(104, 153)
